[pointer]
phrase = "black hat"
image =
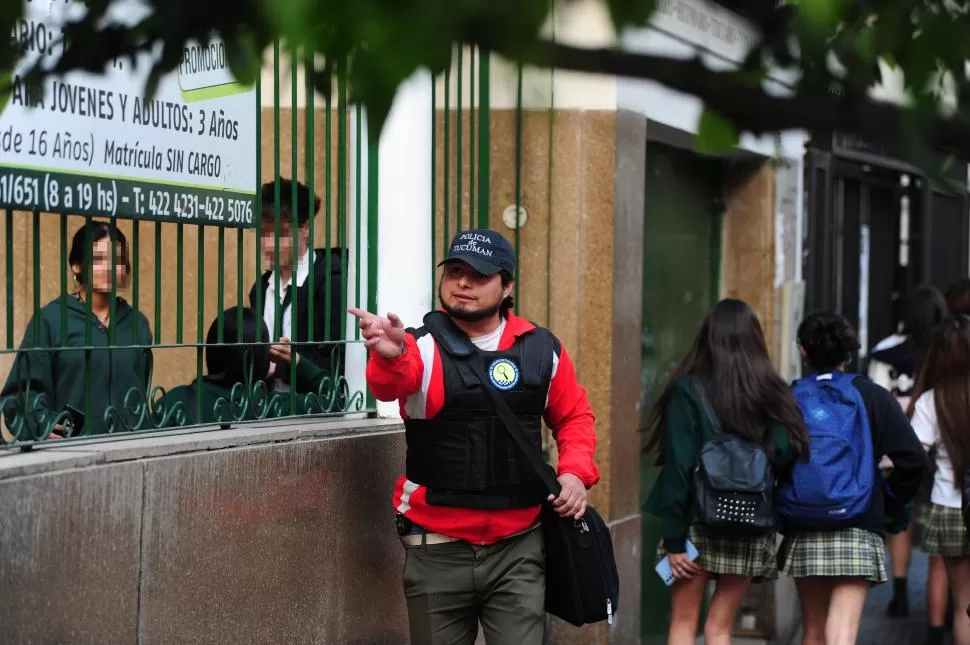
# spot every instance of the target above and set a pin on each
(485, 250)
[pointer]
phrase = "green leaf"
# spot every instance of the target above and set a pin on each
(6, 89)
(820, 15)
(631, 12)
(243, 58)
(714, 133)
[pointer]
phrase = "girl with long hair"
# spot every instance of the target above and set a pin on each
(941, 419)
(894, 364)
(835, 563)
(728, 365)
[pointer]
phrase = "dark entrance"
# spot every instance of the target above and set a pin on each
(876, 228)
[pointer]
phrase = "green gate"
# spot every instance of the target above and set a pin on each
(183, 273)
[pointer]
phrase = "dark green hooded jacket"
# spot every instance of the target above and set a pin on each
(60, 375)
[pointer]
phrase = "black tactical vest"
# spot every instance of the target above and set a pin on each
(465, 456)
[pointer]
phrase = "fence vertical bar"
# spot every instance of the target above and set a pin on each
(342, 172)
(8, 230)
(88, 292)
(277, 330)
(221, 280)
(295, 219)
(446, 202)
(258, 214)
(360, 145)
(63, 234)
(35, 243)
(179, 282)
(135, 260)
(459, 148)
(158, 282)
(373, 195)
(434, 180)
(328, 224)
(484, 135)
(113, 296)
(200, 314)
(471, 139)
(308, 154)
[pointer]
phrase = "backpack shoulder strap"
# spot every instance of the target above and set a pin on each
(447, 334)
(706, 405)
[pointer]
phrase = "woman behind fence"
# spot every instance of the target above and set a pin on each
(118, 361)
(727, 368)
(941, 419)
(832, 509)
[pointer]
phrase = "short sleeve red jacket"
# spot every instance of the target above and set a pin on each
(415, 381)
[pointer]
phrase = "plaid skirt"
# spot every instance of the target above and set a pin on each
(940, 531)
(852, 552)
(753, 557)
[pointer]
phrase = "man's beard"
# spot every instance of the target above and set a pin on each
(469, 316)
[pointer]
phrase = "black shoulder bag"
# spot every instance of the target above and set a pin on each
(582, 583)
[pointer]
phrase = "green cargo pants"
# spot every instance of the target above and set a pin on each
(452, 587)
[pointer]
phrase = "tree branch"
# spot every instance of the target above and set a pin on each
(746, 104)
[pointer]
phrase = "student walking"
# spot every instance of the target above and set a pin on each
(894, 364)
(833, 509)
(941, 420)
(725, 396)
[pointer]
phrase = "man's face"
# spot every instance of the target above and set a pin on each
(267, 241)
(468, 295)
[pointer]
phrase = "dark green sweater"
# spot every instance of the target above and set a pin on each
(308, 379)
(60, 376)
(687, 430)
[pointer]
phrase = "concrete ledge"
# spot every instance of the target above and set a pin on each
(60, 456)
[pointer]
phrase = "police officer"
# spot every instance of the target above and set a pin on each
(468, 505)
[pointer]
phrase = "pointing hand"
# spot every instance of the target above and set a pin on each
(382, 335)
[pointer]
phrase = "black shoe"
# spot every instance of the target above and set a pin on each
(899, 607)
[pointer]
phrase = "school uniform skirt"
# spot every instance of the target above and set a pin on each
(752, 557)
(851, 552)
(940, 531)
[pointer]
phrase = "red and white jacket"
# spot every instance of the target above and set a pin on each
(415, 381)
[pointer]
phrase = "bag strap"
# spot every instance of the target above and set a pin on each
(457, 343)
(706, 405)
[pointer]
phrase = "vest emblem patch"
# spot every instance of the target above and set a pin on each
(503, 373)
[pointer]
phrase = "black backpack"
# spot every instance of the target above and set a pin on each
(734, 482)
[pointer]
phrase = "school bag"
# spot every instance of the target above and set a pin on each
(733, 482)
(835, 484)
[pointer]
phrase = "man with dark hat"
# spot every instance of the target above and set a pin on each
(468, 506)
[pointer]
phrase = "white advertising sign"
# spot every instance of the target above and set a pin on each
(94, 145)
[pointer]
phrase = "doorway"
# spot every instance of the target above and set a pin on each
(684, 204)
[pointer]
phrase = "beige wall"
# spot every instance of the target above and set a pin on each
(748, 248)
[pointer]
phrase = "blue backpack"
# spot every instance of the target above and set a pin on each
(836, 483)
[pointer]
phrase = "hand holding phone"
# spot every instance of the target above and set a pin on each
(77, 419)
(663, 567)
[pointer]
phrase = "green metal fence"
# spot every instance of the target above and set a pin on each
(182, 276)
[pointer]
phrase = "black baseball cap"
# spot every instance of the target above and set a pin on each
(485, 250)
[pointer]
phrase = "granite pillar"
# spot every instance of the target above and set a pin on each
(579, 177)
